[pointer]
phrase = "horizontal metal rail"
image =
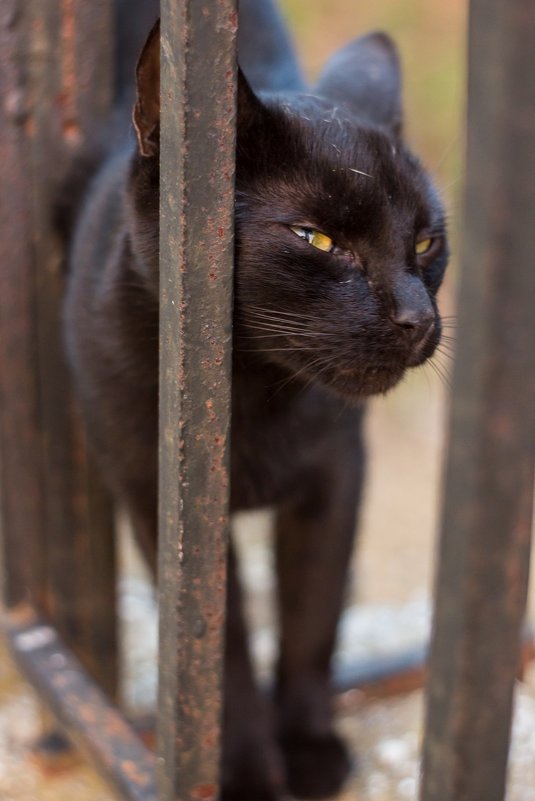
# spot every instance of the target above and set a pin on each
(80, 706)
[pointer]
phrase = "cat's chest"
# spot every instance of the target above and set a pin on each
(278, 441)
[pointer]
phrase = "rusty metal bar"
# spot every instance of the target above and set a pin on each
(100, 731)
(70, 80)
(57, 521)
(486, 524)
(21, 491)
(196, 244)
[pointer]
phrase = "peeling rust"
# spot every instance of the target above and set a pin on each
(204, 792)
(70, 125)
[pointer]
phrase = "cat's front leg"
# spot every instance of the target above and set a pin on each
(314, 541)
(252, 765)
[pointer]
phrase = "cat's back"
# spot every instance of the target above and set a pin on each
(100, 224)
(95, 255)
(111, 329)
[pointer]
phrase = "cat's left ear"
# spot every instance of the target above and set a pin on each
(146, 116)
(250, 108)
(365, 76)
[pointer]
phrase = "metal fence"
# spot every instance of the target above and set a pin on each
(58, 544)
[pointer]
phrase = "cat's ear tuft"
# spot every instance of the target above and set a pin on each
(250, 107)
(146, 116)
(365, 76)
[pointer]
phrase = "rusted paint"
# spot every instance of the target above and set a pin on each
(196, 242)
(53, 754)
(83, 710)
(70, 126)
(204, 792)
(486, 522)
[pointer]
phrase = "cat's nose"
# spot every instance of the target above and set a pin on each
(416, 323)
(412, 311)
(413, 319)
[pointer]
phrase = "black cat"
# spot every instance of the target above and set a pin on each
(340, 250)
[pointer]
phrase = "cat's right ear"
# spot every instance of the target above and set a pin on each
(365, 76)
(250, 108)
(146, 116)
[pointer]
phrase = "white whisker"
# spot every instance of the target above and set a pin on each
(360, 172)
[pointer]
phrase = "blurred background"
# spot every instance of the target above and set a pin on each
(389, 600)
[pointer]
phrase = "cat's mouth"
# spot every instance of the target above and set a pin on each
(379, 377)
(374, 380)
(367, 367)
(423, 350)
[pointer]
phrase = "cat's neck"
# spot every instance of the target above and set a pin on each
(263, 387)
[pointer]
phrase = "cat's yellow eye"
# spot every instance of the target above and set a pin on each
(315, 238)
(423, 246)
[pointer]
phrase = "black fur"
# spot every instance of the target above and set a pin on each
(315, 334)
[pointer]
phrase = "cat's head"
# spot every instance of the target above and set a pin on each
(340, 236)
(341, 242)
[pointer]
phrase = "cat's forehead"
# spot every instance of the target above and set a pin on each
(321, 119)
(332, 142)
(317, 109)
(326, 130)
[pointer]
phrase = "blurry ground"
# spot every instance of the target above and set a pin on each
(392, 575)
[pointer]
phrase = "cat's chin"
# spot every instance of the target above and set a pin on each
(358, 384)
(374, 380)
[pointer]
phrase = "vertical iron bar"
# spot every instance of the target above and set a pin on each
(486, 525)
(59, 86)
(70, 56)
(196, 240)
(21, 495)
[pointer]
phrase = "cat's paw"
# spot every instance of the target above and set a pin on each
(249, 792)
(316, 767)
(255, 776)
